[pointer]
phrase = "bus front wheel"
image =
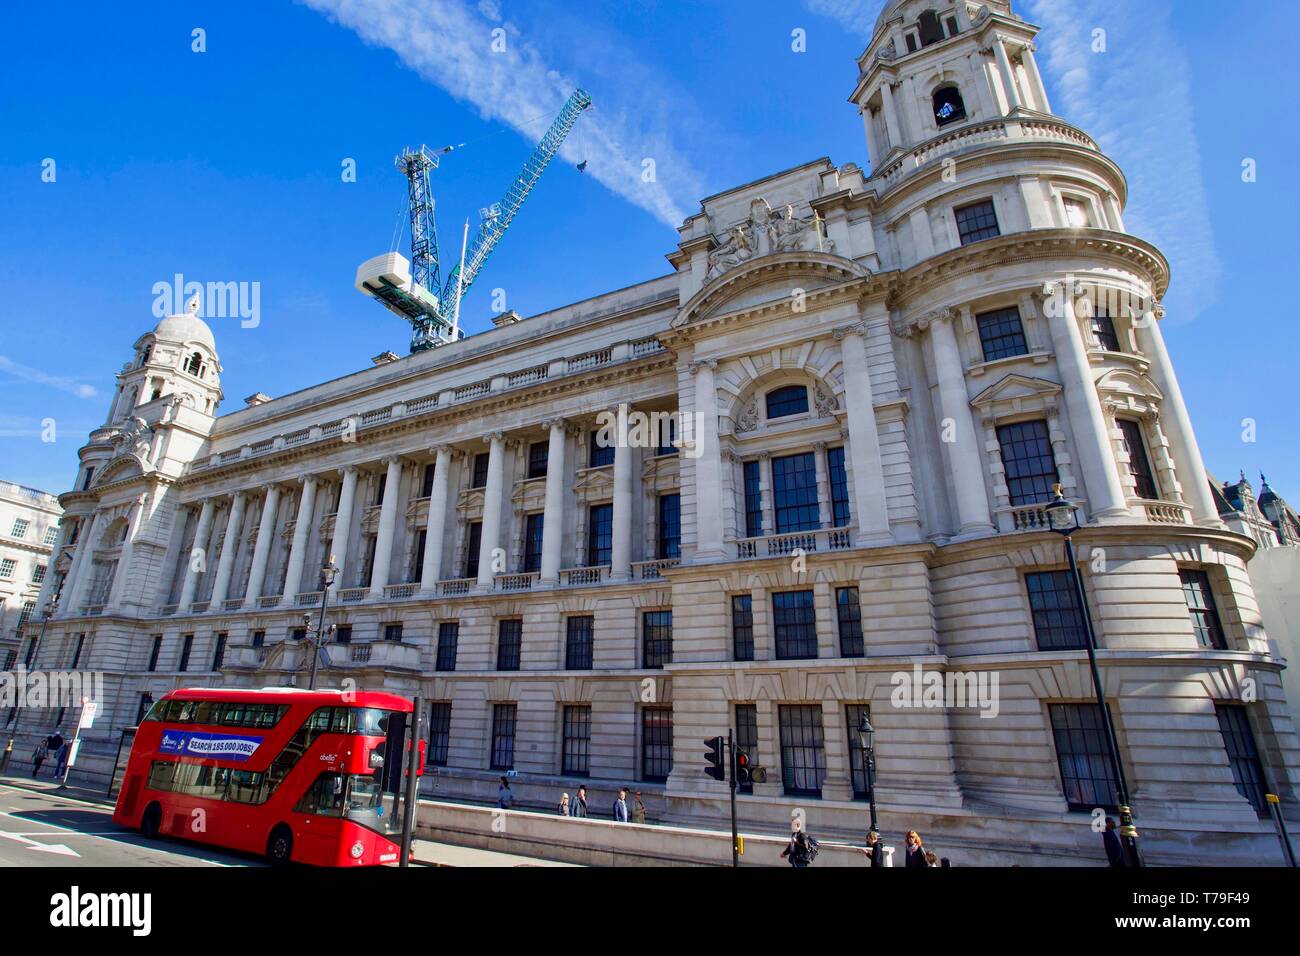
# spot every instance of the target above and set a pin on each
(151, 821)
(279, 846)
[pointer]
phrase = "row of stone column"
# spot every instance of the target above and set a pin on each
(1092, 439)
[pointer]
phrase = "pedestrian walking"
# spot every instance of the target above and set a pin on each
(931, 859)
(802, 848)
(915, 851)
(875, 850)
(563, 808)
(38, 756)
(505, 798)
(1114, 849)
(620, 806)
(61, 764)
(579, 806)
(638, 809)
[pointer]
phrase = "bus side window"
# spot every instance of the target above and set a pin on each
(324, 797)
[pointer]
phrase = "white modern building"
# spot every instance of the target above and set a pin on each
(846, 403)
(29, 526)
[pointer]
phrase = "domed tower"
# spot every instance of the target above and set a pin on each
(179, 357)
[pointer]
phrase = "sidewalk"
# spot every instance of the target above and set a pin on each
(44, 784)
(428, 853)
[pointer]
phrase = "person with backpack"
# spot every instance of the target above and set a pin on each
(802, 848)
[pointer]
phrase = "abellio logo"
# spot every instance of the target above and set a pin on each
(75, 909)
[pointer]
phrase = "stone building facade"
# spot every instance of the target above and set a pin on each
(845, 407)
(29, 527)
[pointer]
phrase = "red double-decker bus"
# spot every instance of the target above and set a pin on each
(297, 775)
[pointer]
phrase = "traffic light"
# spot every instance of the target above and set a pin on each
(742, 767)
(714, 757)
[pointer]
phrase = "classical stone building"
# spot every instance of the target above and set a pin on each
(846, 404)
(29, 526)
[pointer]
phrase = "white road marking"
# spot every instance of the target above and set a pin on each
(58, 848)
(113, 837)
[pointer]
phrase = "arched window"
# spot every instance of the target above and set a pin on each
(787, 400)
(948, 106)
(194, 364)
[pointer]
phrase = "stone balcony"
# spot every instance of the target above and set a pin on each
(783, 545)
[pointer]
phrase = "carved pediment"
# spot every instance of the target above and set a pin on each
(592, 484)
(121, 467)
(771, 278)
(1013, 391)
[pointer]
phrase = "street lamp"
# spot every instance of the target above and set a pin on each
(1063, 518)
(867, 741)
(327, 575)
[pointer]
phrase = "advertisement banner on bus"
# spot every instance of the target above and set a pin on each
(220, 746)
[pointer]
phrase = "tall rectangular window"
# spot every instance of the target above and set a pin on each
(1103, 329)
(599, 454)
(187, 645)
(343, 634)
(1083, 755)
(848, 611)
(795, 625)
(1202, 609)
(219, 652)
(576, 745)
(478, 477)
(656, 743)
(1139, 465)
(1027, 462)
(76, 654)
(393, 632)
(439, 732)
(794, 493)
(503, 736)
(38, 574)
(7, 567)
(258, 639)
(20, 528)
(803, 750)
(448, 637)
(538, 454)
(1243, 755)
(578, 643)
(1001, 334)
(426, 484)
(417, 560)
(977, 221)
(25, 615)
(534, 526)
(510, 636)
(853, 714)
(747, 738)
(656, 638)
(753, 500)
(600, 535)
(473, 541)
(742, 627)
(1054, 604)
(51, 536)
(839, 478)
(667, 435)
(670, 527)
(154, 650)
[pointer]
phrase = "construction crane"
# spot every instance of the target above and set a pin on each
(414, 289)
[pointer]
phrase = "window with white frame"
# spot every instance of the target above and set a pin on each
(1076, 212)
(20, 528)
(51, 536)
(7, 567)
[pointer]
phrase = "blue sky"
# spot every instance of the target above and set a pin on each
(225, 166)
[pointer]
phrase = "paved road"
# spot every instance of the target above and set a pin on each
(38, 828)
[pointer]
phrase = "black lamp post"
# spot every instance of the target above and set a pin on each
(867, 741)
(1063, 518)
(327, 576)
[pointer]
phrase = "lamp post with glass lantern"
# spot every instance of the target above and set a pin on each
(867, 742)
(327, 575)
(1063, 518)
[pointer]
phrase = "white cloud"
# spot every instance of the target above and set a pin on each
(44, 378)
(1135, 100)
(449, 43)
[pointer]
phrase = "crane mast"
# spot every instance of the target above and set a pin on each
(415, 290)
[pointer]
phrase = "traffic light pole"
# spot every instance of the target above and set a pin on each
(731, 760)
